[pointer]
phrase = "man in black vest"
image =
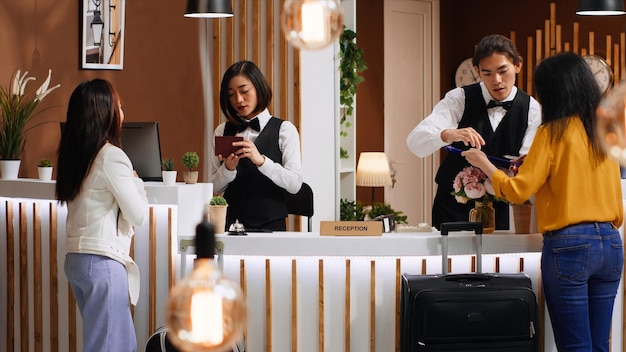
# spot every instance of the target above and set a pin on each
(492, 115)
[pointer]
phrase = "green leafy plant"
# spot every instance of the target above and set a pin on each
(351, 64)
(385, 209)
(168, 164)
(44, 163)
(191, 160)
(17, 111)
(218, 200)
(351, 211)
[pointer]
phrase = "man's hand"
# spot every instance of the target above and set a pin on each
(467, 135)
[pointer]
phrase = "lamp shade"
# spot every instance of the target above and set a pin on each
(209, 8)
(311, 24)
(600, 7)
(373, 170)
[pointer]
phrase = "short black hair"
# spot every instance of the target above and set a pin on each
(254, 74)
(496, 43)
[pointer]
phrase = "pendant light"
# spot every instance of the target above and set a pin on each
(209, 8)
(600, 7)
(311, 24)
(206, 312)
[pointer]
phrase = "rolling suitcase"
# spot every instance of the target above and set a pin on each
(467, 312)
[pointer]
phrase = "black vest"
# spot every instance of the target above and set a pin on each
(254, 199)
(505, 140)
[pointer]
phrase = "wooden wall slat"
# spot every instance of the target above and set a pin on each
(24, 326)
(217, 63)
(372, 306)
(294, 305)
(244, 287)
(170, 249)
(268, 306)
(320, 304)
(71, 312)
(398, 306)
(54, 280)
(256, 32)
(529, 77)
(152, 270)
(10, 308)
(347, 309)
(269, 51)
(242, 19)
(37, 277)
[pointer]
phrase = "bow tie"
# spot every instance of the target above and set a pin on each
(505, 104)
(254, 124)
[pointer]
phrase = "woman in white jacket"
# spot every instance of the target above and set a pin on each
(105, 199)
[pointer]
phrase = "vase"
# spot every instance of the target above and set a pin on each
(9, 169)
(217, 217)
(484, 213)
(45, 173)
(169, 177)
(190, 177)
(521, 217)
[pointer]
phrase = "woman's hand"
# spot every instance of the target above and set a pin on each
(249, 150)
(479, 159)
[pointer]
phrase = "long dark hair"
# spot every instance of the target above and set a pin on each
(93, 119)
(567, 89)
(263, 91)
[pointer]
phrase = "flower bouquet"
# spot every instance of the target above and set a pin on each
(473, 184)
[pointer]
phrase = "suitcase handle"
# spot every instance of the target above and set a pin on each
(446, 227)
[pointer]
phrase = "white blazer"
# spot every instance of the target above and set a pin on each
(100, 219)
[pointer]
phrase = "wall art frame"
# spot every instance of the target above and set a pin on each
(102, 34)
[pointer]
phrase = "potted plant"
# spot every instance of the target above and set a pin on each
(217, 213)
(190, 160)
(17, 109)
(168, 173)
(44, 167)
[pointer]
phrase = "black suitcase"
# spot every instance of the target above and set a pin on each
(467, 312)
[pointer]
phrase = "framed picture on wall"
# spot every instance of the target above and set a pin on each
(103, 34)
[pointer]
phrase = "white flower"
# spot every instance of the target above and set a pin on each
(15, 87)
(43, 90)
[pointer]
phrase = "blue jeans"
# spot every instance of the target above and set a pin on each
(100, 285)
(581, 267)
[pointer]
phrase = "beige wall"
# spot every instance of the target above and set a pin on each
(160, 80)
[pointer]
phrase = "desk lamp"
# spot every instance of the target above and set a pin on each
(206, 312)
(373, 171)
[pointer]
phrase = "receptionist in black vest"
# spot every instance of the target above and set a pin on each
(491, 115)
(266, 163)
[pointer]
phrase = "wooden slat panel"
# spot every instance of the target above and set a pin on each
(256, 33)
(320, 304)
(347, 310)
(559, 38)
(575, 43)
(244, 287)
(37, 276)
(71, 312)
(24, 326)
(152, 270)
(171, 247)
(398, 306)
(217, 64)
(268, 306)
(294, 305)
(529, 54)
(592, 43)
(622, 52)
(372, 306)
(242, 23)
(538, 45)
(269, 51)
(10, 308)
(552, 28)
(54, 280)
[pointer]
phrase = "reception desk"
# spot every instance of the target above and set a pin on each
(304, 292)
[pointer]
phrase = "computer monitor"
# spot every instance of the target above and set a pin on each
(141, 142)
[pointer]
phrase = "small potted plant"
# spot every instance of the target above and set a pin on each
(168, 173)
(44, 167)
(191, 161)
(217, 213)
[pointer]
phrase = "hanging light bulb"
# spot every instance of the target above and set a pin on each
(206, 312)
(311, 24)
(611, 124)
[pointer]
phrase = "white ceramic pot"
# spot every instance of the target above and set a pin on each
(45, 173)
(9, 169)
(169, 177)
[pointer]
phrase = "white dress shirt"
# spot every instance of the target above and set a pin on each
(287, 176)
(425, 138)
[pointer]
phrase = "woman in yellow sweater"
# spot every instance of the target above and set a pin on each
(578, 199)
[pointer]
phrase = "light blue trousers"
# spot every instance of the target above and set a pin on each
(100, 285)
